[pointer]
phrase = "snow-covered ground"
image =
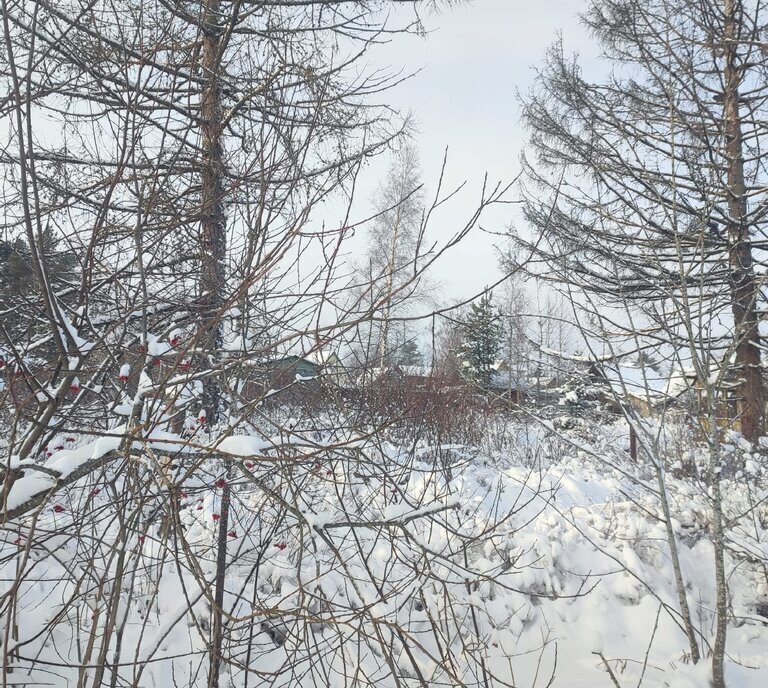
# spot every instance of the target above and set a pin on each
(362, 564)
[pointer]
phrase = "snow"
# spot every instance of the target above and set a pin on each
(319, 356)
(637, 380)
(66, 461)
(525, 559)
(28, 486)
(242, 445)
(156, 347)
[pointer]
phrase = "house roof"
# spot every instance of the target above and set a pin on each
(321, 356)
(637, 380)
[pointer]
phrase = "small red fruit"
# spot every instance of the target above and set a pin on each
(184, 494)
(122, 378)
(221, 483)
(216, 517)
(156, 361)
(141, 538)
(95, 491)
(186, 365)
(280, 545)
(74, 388)
(232, 533)
(175, 341)
(59, 509)
(70, 439)
(248, 464)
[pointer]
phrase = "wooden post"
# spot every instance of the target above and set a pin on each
(632, 443)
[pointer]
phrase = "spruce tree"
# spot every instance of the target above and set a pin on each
(481, 340)
(409, 354)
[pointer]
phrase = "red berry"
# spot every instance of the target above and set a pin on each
(184, 494)
(186, 365)
(280, 545)
(95, 491)
(216, 517)
(122, 378)
(70, 439)
(156, 361)
(58, 447)
(17, 541)
(248, 464)
(232, 533)
(221, 483)
(175, 341)
(75, 389)
(141, 348)
(141, 538)
(200, 508)
(59, 508)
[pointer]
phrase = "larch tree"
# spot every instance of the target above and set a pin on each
(646, 193)
(179, 152)
(651, 181)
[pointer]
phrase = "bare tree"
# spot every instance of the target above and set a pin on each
(195, 531)
(659, 166)
(647, 195)
(394, 254)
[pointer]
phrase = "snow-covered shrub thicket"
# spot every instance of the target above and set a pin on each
(353, 561)
(350, 562)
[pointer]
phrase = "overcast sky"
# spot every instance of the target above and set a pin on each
(472, 64)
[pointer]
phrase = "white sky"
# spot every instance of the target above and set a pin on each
(474, 61)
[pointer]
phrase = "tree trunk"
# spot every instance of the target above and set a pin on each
(213, 221)
(217, 627)
(213, 244)
(744, 289)
(721, 581)
(682, 596)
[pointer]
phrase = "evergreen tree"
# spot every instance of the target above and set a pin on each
(21, 300)
(481, 340)
(409, 354)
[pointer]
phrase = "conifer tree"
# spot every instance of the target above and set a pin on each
(409, 354)
(481, 340)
